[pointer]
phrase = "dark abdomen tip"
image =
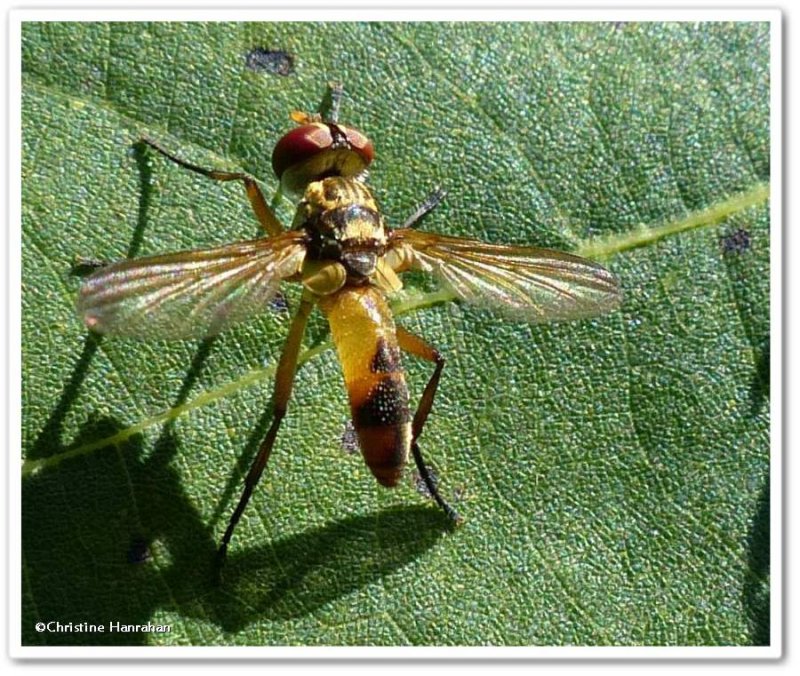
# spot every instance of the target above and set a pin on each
(385, 451)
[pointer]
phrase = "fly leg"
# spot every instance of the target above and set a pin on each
(284, 378)
(419, 348)
(329, 108)
(431, 202)
(263, 213)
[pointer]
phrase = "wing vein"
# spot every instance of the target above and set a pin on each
(191, 293)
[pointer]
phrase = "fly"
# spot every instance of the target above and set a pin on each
(348, 261)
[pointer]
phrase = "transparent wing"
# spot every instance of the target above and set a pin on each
(522, 283)
(189, 294)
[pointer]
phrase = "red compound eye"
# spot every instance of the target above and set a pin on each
(360, 144)
(300, 144)
(314, 151)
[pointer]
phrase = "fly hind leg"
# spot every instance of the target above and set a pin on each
(263, 213)
(280, 399)
(419, 348)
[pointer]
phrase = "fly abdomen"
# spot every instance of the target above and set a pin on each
(383, 422)
(364, 333)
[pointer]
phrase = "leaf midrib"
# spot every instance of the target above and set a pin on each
(603, 248)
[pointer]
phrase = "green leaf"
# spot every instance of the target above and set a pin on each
(613, 473)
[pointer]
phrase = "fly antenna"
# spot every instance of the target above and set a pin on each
(329, 108)
(431, 202)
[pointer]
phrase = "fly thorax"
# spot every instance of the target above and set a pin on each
(350, 230)
(336, 191)
(362, 237)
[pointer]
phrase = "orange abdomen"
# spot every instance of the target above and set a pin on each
(364, 334)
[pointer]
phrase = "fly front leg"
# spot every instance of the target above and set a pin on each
(418, 347)
(263, 213)
(284, 379)
(431, 202)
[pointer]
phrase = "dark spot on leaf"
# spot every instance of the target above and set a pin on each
(139, 552)
(422, 488)
(349, 438)
(736, 242)
(278, 303)
(83, 267)
(274, 61)
(419, 483)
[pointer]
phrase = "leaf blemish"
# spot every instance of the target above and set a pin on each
(273, 61)
(736, 242)
(349, 439)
